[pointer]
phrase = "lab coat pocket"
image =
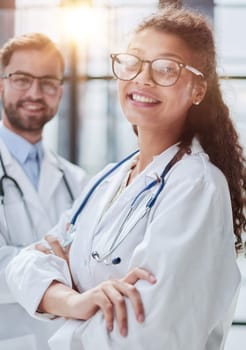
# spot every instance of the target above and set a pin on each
(26, 342)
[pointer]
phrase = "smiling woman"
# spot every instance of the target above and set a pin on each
(161, 76)
(155, 210)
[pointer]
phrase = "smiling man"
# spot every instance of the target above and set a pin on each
(31, 86)
(36, 185)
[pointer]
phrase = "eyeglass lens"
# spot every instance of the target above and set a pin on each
(24, 82)
(164, 72)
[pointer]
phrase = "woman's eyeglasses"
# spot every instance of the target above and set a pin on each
(163, 71)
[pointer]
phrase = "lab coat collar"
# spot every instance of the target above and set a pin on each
(155, 168)
(160, 161)
(6, 156)
(18, 146)
(14, 169)
(50, 165)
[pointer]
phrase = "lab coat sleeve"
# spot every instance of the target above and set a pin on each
(77, 179)
(75, 175)
(27, 273)
(189, 249)
(7, 252)
(28, 288)
(30, 272)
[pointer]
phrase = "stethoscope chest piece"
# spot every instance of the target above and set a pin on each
(160, 182)
(106, 260)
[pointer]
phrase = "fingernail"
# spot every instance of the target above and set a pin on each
(140, 318)
(110, 328)
(123, 332)
(152, 279)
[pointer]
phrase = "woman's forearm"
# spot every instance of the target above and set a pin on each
(109, 296)
(57, 300)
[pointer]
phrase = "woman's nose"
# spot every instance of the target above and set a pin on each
(144, 76)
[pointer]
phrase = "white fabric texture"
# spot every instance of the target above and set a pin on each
(45, 207)
(186, 241)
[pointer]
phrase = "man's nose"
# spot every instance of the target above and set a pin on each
(35, 89)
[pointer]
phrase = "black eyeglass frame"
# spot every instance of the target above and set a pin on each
(181, 66)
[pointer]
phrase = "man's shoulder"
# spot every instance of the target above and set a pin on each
(69, 168)
(69, 165)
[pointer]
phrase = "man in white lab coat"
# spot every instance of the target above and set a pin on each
(36, 185)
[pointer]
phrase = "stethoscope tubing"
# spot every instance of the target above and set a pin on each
(161, 180)
(97, 183)
(95, 255)
(5, 176)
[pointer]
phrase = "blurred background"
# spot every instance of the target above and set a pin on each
(89, 128)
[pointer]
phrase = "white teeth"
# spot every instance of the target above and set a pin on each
(140, 98)
(32, 107)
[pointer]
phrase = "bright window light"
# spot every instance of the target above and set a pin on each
(78, 23)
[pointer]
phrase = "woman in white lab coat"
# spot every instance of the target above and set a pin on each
(175, 208)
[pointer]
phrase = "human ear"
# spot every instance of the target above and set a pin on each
(1, 87)
(199, 91)
(61, 89)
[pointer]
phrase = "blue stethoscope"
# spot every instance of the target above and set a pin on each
(106, 258)
(7, 177)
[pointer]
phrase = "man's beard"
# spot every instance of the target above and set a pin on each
(19, 121)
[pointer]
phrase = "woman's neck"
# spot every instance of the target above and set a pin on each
(151, 145)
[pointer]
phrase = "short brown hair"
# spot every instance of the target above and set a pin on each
(36, 41)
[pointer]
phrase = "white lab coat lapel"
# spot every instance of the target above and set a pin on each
(159, 163)
(107, 189)
(139, 184)
(120, 208)
(33, 203)
(15, 170)
(50, 177)
(104, 192)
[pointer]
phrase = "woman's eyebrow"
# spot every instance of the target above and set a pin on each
(161, 54)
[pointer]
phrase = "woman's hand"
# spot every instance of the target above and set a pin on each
(55, 247)
(110, 296)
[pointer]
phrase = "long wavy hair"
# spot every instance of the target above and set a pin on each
(210, 121)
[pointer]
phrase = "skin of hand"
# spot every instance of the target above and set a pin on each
(55, 248)
(109, 297)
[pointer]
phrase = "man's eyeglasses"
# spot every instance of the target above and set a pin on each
(163, 71)
(23, 81)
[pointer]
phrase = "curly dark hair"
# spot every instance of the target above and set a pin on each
(210, 121)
